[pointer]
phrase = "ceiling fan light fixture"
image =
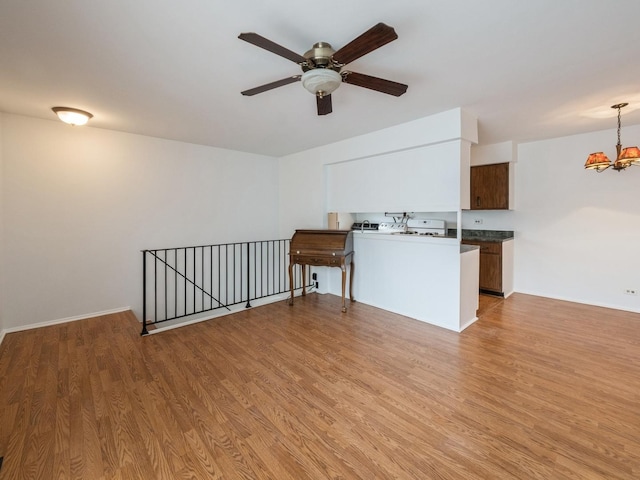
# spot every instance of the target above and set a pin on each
(72, 116)
(321, 81)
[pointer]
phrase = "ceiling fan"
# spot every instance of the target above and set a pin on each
(322, 66)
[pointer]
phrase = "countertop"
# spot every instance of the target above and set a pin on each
(468, 248)
(472, 235)
(487, 235)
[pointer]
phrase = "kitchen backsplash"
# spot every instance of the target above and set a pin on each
(471, 220)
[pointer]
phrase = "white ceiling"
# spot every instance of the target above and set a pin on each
(528, 70)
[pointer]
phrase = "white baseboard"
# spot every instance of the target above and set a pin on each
(582, 302)
(63, 320)
(467, 324)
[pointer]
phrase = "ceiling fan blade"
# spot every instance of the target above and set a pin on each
(375, 37)
(374, 83)
(271, 86)
(272, 47)
(324, 104)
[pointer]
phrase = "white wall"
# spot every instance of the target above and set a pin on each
(1, 227)
(80, 203)
(303, 182)
(495, 153)
(577, 231)
(412, 180)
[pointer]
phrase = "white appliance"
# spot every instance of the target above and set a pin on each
(430, 227)
(392, 227)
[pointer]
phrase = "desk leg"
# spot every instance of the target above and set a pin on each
(291, 283)
(353, 265)
(304, 279)
(344, 283)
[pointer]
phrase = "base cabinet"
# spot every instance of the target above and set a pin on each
(491, 267)
(496, 265)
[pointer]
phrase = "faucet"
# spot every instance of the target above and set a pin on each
(362, 225)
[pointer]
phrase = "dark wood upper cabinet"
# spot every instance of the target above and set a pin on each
(490, 187)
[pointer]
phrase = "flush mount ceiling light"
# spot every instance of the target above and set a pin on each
(625, 157)
(72, 116)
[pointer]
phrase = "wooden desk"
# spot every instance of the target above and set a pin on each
(322, 248)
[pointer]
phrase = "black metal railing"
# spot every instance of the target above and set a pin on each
(185, 281)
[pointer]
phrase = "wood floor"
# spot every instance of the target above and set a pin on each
(536, 388)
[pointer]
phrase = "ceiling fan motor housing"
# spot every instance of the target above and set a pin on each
(320, 56)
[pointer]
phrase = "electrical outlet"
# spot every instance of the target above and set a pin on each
(631, 291)
(477, 221)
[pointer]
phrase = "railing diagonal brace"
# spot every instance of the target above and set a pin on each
(188, 280)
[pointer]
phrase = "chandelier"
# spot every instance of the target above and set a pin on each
(625, 157)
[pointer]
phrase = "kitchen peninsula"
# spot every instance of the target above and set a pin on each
(434, 280)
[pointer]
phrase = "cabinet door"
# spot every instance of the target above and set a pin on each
(491, 272)
(490, 187)
(490, 265)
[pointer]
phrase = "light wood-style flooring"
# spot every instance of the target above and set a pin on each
(536, 389)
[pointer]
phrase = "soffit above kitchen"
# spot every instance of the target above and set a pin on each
(526, 70)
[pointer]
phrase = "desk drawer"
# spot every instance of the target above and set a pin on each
(316, 260)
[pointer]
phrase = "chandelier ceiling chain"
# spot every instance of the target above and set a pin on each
(625, 157)
(619, 106)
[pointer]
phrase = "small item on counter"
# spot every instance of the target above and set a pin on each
(365, 225)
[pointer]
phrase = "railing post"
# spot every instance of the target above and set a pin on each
(248, 305)
(144, 293)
